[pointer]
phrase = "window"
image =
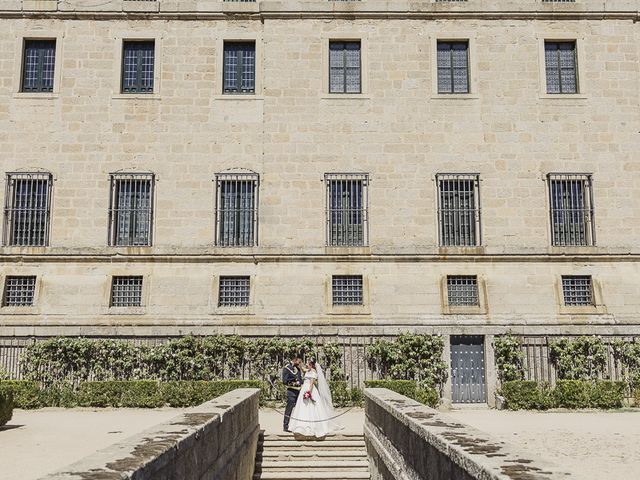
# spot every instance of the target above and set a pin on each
(138, 66)
(126, 291)
(346, 209)
(131, 209)
(27, 209)
(239, 67)
(19, 291)
(453, 67)
(234, 291)
(571, 202)
(344, 67)
(38, 65)
(459, 210)
(560, 63)
(347, 290)
(237, 210)
(577, 290)
(462, 291)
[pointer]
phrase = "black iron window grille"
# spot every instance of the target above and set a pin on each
(27, 209)
(38, 66)
(138, 59)
(346, 209)
(126, 291)
(239, 69)
(459, 210)
(561, 67)
(453, 67)
(571, 209)
(345, 67)
(462, 291)
(131, 209)
(19, 291)
(234, 291)
(237, 210)
(347, 290)
(577, 290)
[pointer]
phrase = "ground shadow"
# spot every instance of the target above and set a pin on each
(10, 427)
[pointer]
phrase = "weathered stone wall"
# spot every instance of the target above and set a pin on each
(214, 441)
(409, 441)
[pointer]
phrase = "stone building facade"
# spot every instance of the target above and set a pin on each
(450, 184)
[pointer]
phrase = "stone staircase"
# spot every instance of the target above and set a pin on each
(339, 457)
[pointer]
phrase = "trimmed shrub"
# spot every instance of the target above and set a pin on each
(62, 396)
(408, 388)
(428, 396)
(357, 397)
(101, 394)
(26, 394)
(142, 394)
(607, 395)
(636, 397)
(525, 395)
(572, 394)
(187, 393)
(340, 393)
(6, 404)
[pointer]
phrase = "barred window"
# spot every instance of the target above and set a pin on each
(126, 291)
(19, 291)
(459, 210)
(237, 210)
(27, 209)
(39, 59)
(346, 209)
(138, 60)
(572, 214)
(462, 290)
(131, 209)
(344, 67)
(561, 67)
(239, 67)
(347, 290)
(577, 290)
(453, 67)
(234, 291)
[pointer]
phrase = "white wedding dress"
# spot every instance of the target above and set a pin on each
(313, 417)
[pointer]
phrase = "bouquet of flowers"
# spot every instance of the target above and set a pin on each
(307, 396)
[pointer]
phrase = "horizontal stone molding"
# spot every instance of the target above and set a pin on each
(409, 441)
(216, 440)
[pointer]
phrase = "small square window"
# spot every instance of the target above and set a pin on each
(347, 290)
(234, 291)
(239, 67)
(345, 67)
(138, 59)
(561, 67)
(126, 291)
(38, 65)
(577, 290)
(462, 291)
(19, 291)
(453, 67)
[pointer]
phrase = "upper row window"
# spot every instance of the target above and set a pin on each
(345, 67)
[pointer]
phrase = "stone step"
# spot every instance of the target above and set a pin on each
(315, 453)
(315, 465)
(304, 475)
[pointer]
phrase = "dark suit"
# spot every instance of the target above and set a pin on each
(292, 379)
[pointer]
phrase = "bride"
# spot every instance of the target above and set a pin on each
(313, 413)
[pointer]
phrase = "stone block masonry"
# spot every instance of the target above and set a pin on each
(214, 441)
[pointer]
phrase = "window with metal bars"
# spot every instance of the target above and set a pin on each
(462, 290)
(38, 65)
(239, 67)
(345, 67)
(19, 291)
(561, 67)
(237, 210)
(346, 209)
(453, 67)
(138, 59)
(571, 209)
(577, 290)
(459, 210)
(234, 291)
(27, 209)
(347, 290)
(131, 209)
(126, 291)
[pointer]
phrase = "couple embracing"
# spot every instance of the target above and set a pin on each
(309, 411)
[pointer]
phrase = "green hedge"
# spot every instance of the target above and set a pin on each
(408, 388)
(573, 394)
(26, 394)
(6, 404)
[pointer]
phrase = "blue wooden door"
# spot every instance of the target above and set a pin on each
(467, 369)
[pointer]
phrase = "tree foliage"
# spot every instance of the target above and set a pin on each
(509, 358)
(581, 358)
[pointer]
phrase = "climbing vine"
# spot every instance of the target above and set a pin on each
(509, 358)
(581, 358)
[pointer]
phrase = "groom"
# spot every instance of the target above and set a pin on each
(292, 378)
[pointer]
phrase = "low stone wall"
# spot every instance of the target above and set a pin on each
(410, 441)
(216, 440)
